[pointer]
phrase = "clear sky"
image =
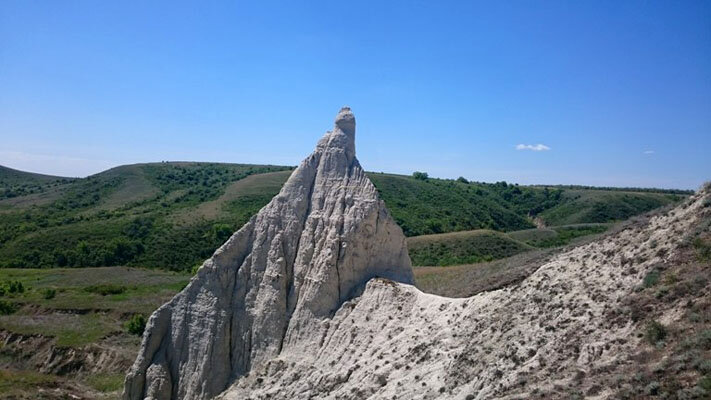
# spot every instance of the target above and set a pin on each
(572, 92)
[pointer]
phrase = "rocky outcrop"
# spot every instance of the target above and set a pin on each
(277, 282)
(538, 338)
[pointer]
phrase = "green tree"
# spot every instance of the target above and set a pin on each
(420, 175)
(219, 233)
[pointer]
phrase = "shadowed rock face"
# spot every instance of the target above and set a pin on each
(277, 281)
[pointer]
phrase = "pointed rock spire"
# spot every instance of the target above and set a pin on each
(275, 281)
(345, 122)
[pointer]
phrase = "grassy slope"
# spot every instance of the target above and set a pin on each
(79, 318)
(13, 178)
(20, 188)
(462, 247)
(78, 315)
(174, 215)
(600, 206)
(468, 247)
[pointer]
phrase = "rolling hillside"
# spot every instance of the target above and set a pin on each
(481, 245)
(169, 215)
(579, 206)
(174, 215)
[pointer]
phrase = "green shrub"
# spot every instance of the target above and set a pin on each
(15, 287)
(703, 366)
(652, 388)
(195, 269)
(136, 325)
(49, 293)
(220, 233)
(7, 308)
(705, 383)
(105, 289)
(655, 332)
(703, 249)
(704, 339)
(651, 279)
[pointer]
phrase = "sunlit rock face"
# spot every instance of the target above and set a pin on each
(277, 281)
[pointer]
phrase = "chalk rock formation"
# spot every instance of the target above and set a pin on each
(277, 282)
(529, 340)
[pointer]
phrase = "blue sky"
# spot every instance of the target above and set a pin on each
(616, 92)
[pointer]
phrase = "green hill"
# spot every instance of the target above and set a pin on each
(431, 206)
(174, 215)
(580, 206)
(20, 187)
(170, 215)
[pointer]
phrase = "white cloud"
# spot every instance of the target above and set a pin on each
(648, 152)
(532, 147)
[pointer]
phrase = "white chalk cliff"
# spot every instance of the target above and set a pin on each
(277, 282)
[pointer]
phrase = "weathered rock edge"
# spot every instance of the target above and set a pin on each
(277, 280)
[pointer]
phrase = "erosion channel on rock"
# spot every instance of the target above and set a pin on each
(277, 281)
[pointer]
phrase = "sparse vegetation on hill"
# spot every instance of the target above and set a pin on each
(174, 215)
(462, 247)
(579, 206)
(14, 183)
(563, 235)
(469, 247)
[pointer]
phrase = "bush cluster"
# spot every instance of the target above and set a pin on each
(136, 325)
(11, 287)
(105, 289)
(7, 308)
(49, 293)
(655, 332)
